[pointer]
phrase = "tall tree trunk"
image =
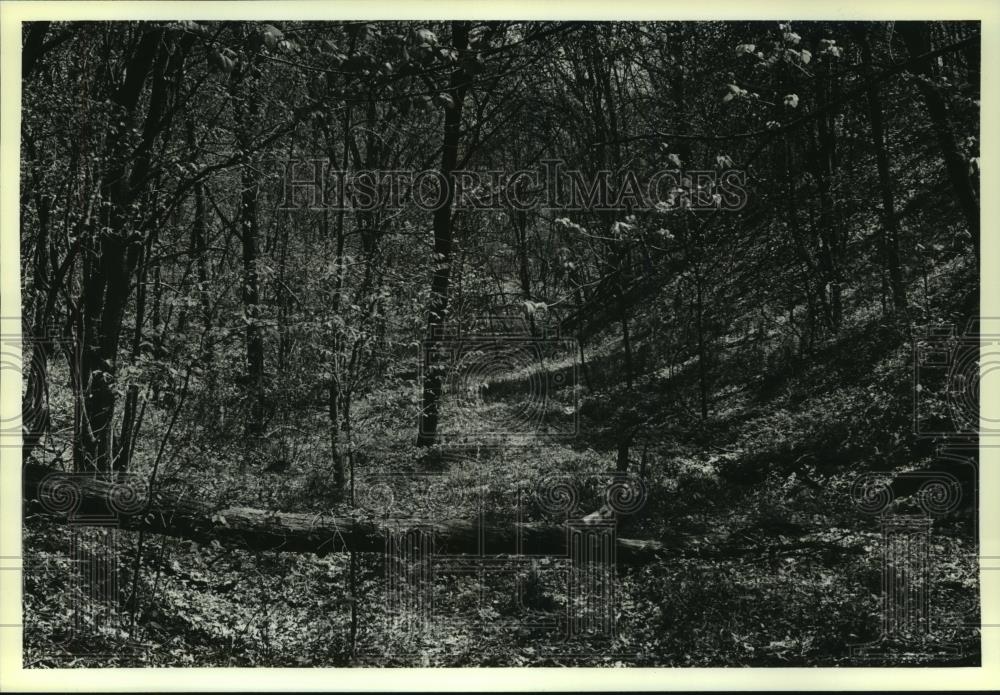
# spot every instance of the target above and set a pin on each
(249, 235)
(335, 390)
(34, 41)
(625, 438)
(44, 287)
(112, 256)
(627, 347)
(199, 248)
(702, 348)
(523, 266)
(824, 161)
(916, 36)
(443, 234)
(336, 368)
(132, 395)
(889, 234)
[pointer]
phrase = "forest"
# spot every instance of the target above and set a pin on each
(499, 343)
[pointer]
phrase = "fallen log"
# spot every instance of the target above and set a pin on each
(86, 500)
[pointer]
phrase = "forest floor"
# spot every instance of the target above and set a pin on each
(776, 562)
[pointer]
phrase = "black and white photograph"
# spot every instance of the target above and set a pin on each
(499, 343)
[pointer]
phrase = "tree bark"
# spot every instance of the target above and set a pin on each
(824, 166)
(199, 249)
(443, 234)
(916, 36)
(702, 347)
(335, 392)
(34, 37)
(520, 218)
(889, 235)
(258, 529)
(113, 254)
(250, 186)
